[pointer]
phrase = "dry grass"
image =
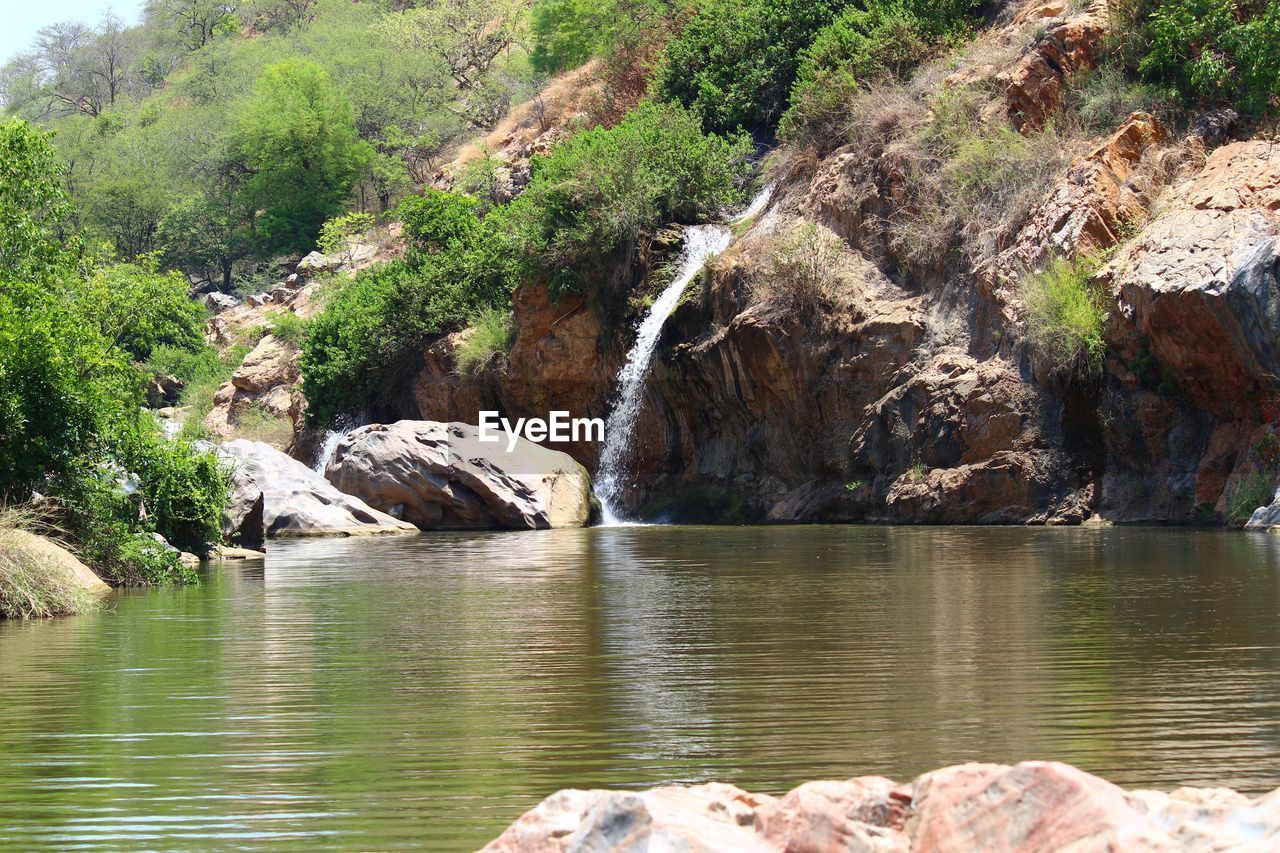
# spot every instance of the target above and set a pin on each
(257, 423)
(808, 271)
(29, 585)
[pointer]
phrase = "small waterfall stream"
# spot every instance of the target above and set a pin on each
(331, 439)
(701, 242)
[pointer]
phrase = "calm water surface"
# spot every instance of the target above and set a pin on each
(421, 693)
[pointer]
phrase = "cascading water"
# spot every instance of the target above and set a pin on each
(700, 243)
(331, 439)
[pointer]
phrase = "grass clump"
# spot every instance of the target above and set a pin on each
(971, 181)
(806, 271)
(287, 326)
(1066, 312)
(492, 331)
(258, 423)
(31, 586)
(1245, 495)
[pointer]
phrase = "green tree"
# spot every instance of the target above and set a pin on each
(297, 137)
(736, 60)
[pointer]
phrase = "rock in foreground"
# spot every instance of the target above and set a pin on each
(1035, 806)
(295, 501)
(438, 475)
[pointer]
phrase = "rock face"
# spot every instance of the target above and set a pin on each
(1201, 285)
(1034, 806)
(438, 475)
(296, 501)
(920, 398)
(1034, 86)
(266, 381)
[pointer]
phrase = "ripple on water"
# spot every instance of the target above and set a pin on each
(420, 693)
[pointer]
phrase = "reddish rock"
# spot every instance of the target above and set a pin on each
(1033, 807)
(1094, 205)
(1033, 87)
(1200, 284)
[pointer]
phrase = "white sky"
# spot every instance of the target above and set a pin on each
(19, 19)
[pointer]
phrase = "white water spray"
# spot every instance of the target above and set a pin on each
(701, 242)
(331, 440)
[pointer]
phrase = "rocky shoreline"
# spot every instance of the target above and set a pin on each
(1033, 806)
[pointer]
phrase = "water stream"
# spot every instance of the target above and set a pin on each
(331, 440)
(701, 242)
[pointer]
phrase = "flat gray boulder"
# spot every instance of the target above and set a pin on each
(441, 476)
(295, 501)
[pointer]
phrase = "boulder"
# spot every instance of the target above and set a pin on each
(709, 817)
(297, 501)
(1266, 517)
(1201, 284)
(56, 558)
(439, 475)
(318, 262)
(267, 380)
(220, 301)
(1033, 806)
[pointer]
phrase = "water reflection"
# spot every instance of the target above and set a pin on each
(420, 693)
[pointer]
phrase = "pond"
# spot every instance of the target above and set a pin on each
(420, 693)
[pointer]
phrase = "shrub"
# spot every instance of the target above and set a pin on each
(28, 586)
(437, 221)
(860, 46)
(338, 235)
(1103, 97)
(1212, 51)
(805, 271)
(603, 189)
(1247, 494)
(183, 489)
(492, 331)
(258, 423)
(1066, 312)
(734, 63)
(970, 183)
(287, 326)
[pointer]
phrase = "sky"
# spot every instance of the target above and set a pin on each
(19, 19)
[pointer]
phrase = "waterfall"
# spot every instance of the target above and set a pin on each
(700, 243)
(331, 439)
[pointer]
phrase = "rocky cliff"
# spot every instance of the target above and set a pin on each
(907, 391)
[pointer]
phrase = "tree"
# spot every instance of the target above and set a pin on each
(736, 60)
(73, 69)
(468, 36)
(33, 205)
(303, 156)
(194, 23)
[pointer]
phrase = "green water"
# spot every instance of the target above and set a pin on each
(421, 693)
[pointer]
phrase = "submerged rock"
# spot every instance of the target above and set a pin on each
(1034, 806)
(296, 501)
(438, 475)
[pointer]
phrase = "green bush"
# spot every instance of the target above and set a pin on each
(860, 46)
(183, 489)
(735, 61)
(603, 189)
(1212, 51)
(1066, 313)
(492, 331)
(287, 326)
(1104, 97)
(338, 235)
(437, 221)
